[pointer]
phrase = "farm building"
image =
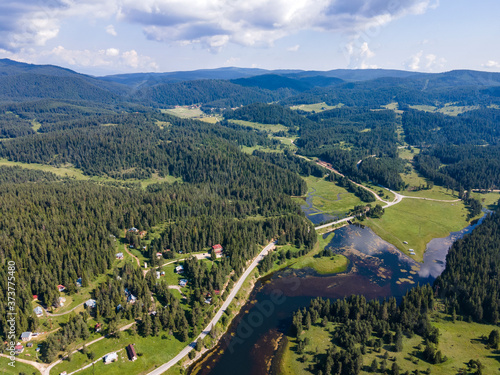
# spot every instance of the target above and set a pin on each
(38, 311)
(109, 358)
(131, 352)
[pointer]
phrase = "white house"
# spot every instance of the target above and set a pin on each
(111, 357)
(38, 311)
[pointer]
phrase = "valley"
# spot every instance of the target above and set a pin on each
(166, 215)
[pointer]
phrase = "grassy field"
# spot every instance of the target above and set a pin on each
(151, 351)
(330, 198)
(448, 109)
(458, 341)
(317, 107)
(192, 113)
(417, 222)
(270, 128)
(77, 174)
(488, 200)
(394, 106)
(35, 125)
(185, 112)
(319, 338)
(250, 150)
(323, 265)
(19, 368)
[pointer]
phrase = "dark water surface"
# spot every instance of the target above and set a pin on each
(316, 216)
(377, 270)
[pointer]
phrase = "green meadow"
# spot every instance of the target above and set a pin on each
(418, 221)
(459, 342)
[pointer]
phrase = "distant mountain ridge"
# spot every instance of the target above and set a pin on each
(232, 86)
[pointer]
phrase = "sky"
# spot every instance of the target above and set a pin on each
(101, 37)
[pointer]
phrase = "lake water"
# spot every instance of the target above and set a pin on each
(317, 216)
(376, 270)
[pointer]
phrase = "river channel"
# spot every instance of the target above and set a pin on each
(376, 270)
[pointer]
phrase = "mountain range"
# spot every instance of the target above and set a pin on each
(233, 86)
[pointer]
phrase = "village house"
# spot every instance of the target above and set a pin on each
(38, 311)
(19, 349)
(26, 336)
(111, 357)
(35, 297)
(131, 298)
(157, 274)
(217, 249)
(133, 230)
(179, 269)
(29, 345)
(142, 233)
(131, 352)
(61, 301)
(61, 288)
(183, 283)
(79, 282)
(119, 255)
(90, 303)
(162, 273)
(159, 255)
(97, 327)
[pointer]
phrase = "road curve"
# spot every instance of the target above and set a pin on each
(218, 315)
(398, 197)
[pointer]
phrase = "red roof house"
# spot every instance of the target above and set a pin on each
(217, 248)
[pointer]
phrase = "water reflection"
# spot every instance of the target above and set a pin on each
(315, 215)
(377, 270)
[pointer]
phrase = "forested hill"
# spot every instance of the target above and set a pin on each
(469, 287)
(233, 87)
(58, 230)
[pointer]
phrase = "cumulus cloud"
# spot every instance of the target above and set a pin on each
(421, 62)
(414, 62)
(102, 58)
(294, 48)
(212, 23)
(491, 64)
(110, 29)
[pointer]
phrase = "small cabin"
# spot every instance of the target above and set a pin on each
(131, 352)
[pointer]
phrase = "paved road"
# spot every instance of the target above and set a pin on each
(218, 315)
(398, 197)
(46, 371)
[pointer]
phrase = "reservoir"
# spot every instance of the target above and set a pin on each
(376, 270)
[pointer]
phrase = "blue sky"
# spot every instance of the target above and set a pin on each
(123, 36)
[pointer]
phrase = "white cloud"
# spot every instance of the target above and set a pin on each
(112, 52)
(103, 58)
(358, 55)
(110, 29)
(426, 63)
(213, 23)
(294, 48)
(232, 61)
(491, 64)
(414, 62)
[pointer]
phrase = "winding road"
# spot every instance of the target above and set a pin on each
(397, 197)
(218, 315)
